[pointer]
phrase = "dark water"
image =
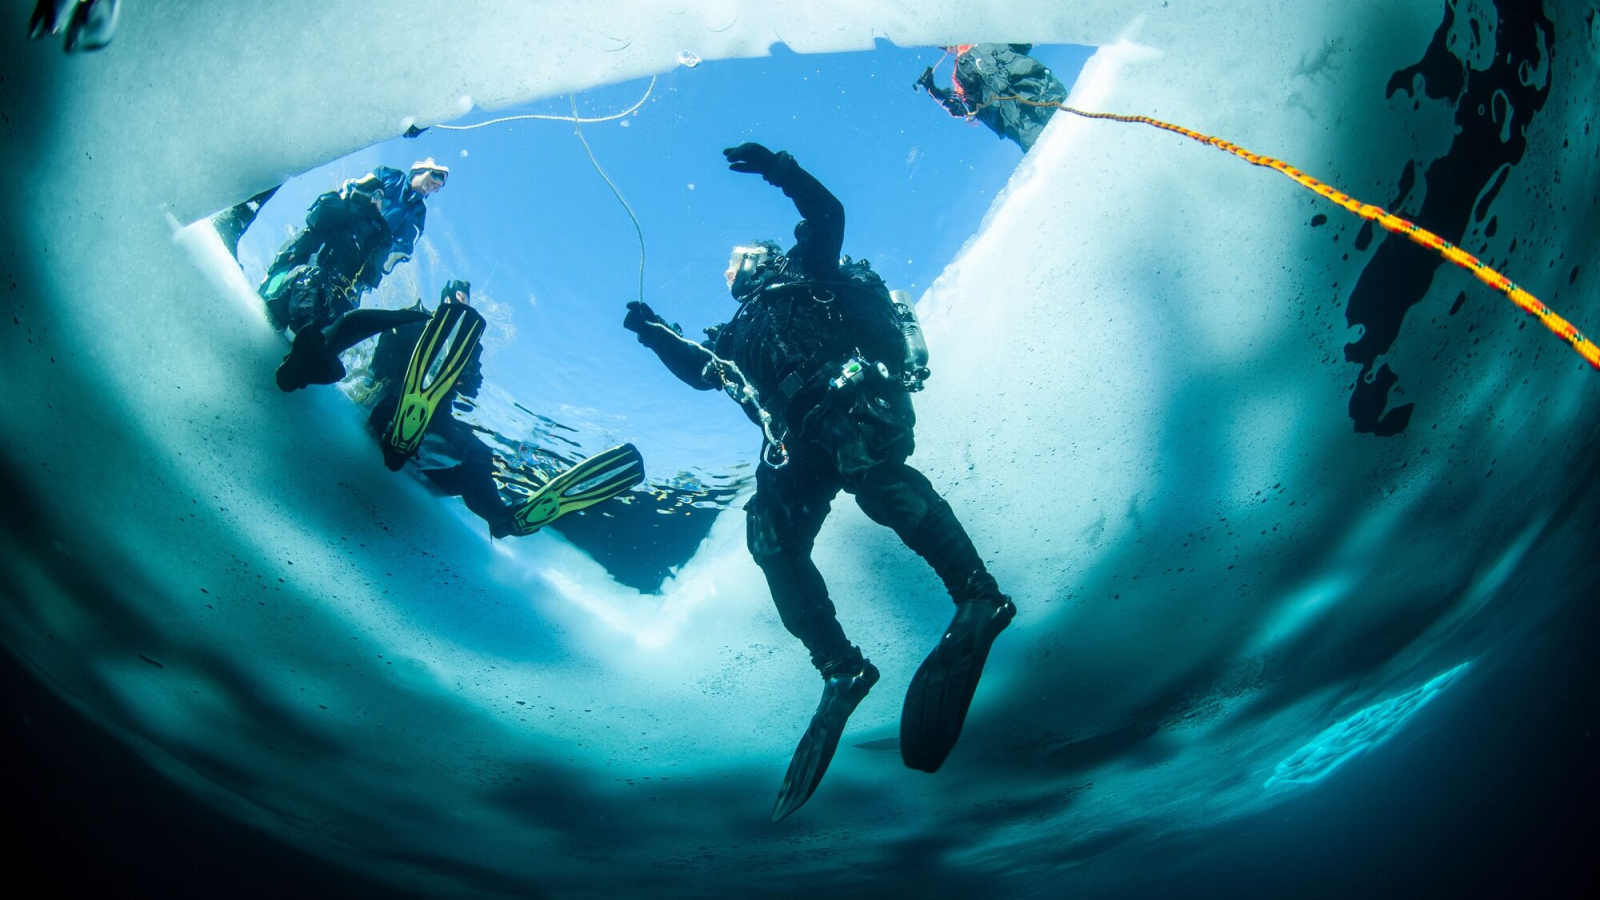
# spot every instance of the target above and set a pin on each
(1495, 790)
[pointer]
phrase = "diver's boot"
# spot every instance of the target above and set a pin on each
(310, 361)
(936, 704)
(841, 693)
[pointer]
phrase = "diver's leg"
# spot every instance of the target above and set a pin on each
(481, 494)
(782, 522)
(357, 325)
(899, 496)
(868, 446)
(326, 322)
(784, 518)
(941, 692)
(472, 480)
(383, 414)
(473, 484)
(309, 361)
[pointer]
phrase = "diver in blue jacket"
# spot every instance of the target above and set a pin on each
(352, 238)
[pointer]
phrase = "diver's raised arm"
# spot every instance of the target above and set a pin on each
(821, 235)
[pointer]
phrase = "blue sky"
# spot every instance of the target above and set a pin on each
(554, 259)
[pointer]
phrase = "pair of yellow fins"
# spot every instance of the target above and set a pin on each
(441, 356)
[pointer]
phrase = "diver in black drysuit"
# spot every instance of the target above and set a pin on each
(802, 316)
(984, 75)
(451, 455)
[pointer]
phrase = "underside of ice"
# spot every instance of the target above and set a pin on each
(1359, 733)
(1224, 534)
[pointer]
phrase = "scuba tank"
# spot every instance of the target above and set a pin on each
(914, 348)
(915, 367)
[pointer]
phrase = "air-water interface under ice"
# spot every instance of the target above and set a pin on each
(1263, 479)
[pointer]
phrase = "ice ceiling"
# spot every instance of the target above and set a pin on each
(1250, 473)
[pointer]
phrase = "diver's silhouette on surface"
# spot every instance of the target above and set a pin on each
(984, 75)
(818, 353)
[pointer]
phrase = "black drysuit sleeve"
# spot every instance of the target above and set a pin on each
(683, 357)
(820, 235)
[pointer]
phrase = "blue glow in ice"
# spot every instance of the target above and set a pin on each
(1362, 731)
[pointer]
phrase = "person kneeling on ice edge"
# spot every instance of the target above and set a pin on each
(823, 356)
(1001, 86)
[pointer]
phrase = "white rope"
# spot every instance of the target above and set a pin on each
(578, 129)
(572, 118)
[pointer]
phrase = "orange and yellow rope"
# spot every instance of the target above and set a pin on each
(1417, 234)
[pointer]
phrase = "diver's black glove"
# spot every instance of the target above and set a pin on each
(640, 317)
(752, 157)
(925, 81)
